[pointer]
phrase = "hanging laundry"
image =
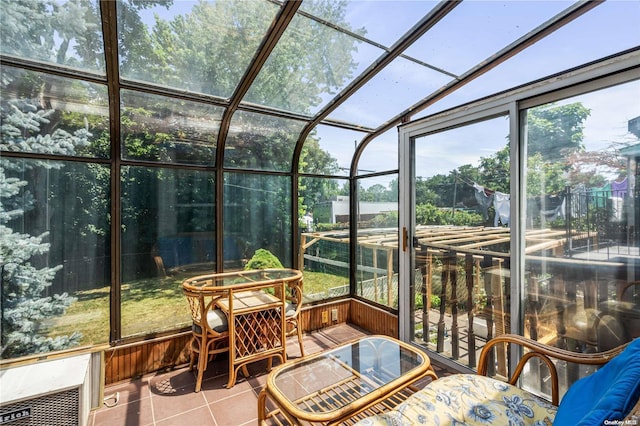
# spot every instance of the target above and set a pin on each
(617, 209)
(502, 204)
(484, 197)
(619, 188)
(552, 207)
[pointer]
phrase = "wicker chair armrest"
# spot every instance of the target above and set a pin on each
(295, 297)
(626, 287)
(546, 354)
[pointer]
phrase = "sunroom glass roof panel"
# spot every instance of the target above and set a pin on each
(63, 33)
(488, 26)
(202, 46)
(398, 86)
(261, 142)
(383, 21)
(168, 130)
(608, 29)
(310, 64)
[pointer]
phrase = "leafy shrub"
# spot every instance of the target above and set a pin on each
(263, 259)
(435, 301)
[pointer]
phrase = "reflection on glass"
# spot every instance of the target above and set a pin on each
(55, 290)
(380, 154)
(377, 270)
(461, 290)
(329, 150)
(312, 63)
(257, 215)
(157, 128)
(261, 142)
(582, 205)
(168, 234)
(59, 32)
(198, 46)
(581, 170)
(46, 114)
(372, 17)
(324, 241)
(361, 366)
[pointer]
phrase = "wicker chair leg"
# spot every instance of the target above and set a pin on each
(300, 340)
(202, 363)
(192, 355)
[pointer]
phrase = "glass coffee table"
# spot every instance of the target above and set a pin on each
(334, 385)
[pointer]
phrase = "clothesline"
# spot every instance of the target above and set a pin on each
(501, 203)
(553, 205)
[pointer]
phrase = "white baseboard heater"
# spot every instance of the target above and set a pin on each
(50, 393)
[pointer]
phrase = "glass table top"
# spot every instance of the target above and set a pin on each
(329, 381)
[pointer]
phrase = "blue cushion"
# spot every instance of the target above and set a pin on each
(608, 394)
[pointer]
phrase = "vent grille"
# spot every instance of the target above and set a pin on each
(57, 409)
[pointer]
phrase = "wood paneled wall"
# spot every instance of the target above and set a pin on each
(132, 361)
(312, 316)
(372, 319)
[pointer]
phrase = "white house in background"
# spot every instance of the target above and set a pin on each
(337, 210)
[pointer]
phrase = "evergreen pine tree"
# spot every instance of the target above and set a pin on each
(25, 305)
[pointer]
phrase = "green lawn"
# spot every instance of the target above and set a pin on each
(148, 306)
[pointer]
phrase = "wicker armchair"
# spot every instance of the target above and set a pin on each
(210, 328)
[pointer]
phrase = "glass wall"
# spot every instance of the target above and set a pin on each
(260, 142)
(537, 238)
(380, 154)
(167, 213)
(168, 130)
(377, 245)
(61, 161)
(323, 211)
(55, 289)
(257, 215)
(329, 151)
(582, 261)
(168, 234)
(323, 221)
(460, 293)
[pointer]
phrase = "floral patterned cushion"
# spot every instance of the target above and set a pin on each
(468, 399)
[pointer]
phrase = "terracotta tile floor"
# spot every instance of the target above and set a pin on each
(165, 399)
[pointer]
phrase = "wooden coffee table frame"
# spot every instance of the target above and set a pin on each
(340, 400)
